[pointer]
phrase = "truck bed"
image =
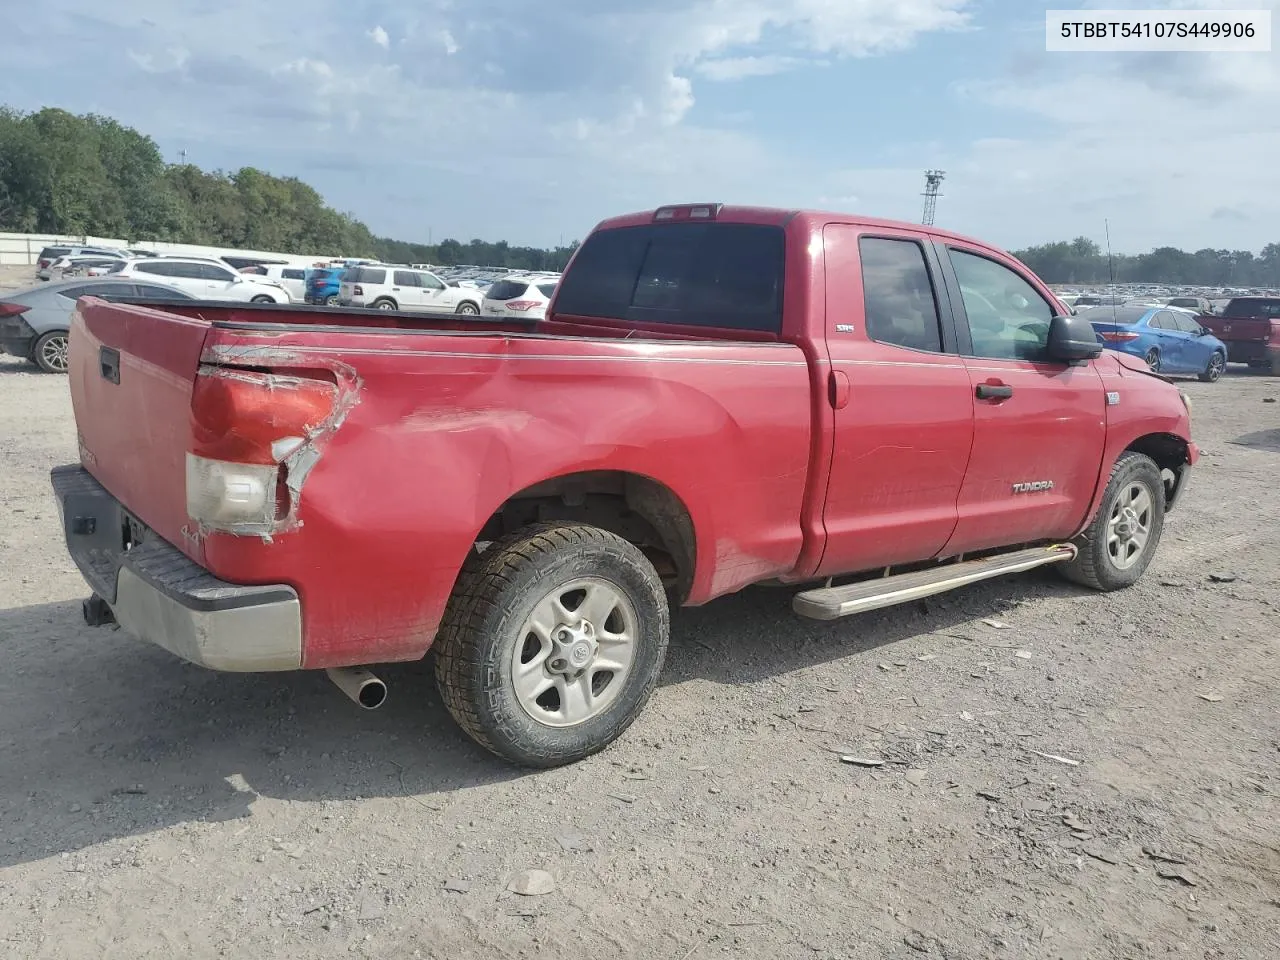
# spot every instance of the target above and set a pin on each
(443, 418)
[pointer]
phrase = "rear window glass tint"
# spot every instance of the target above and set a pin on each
(546, 289)
(506, 290)
(364, 275)
(1252, 308)
(692, 274)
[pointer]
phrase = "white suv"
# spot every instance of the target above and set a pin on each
(526, 296)
(204, 279)
(385, 287)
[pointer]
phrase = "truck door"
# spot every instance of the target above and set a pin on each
(1039, 426)
(903, 403)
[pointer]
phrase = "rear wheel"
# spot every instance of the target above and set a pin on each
(384, 305)
(1153, 359)
(51, 351)
(1213, 372)
(552, 643)
(331, 300)
(1120, 543)
(468, 309)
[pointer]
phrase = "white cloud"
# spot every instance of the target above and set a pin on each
(449, 43)
(380, 37)
(738, 68)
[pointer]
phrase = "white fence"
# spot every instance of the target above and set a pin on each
(19, 249)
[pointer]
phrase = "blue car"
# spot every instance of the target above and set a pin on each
(1170, 340)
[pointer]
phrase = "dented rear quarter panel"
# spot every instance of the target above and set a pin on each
(446, 427)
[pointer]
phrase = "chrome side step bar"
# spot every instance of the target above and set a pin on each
(832, 603)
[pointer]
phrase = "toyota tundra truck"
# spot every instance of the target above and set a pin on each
(1250, 327)
(866, 411)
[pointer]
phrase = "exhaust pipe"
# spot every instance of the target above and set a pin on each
(360, 685)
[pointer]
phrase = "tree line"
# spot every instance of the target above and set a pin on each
(90, 175)
(1081, 261)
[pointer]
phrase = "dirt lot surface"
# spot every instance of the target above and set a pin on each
(11, 278)
(1065, 775)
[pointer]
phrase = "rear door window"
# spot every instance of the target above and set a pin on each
(727, 275)
(898, 296)
(292, 274)
(159, 269)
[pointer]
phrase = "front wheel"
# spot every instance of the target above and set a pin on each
(1153, 360)
(51, 352)
(1120, 543)
(1213, 372)
(552, 643)
(384, 305)
(468, 309)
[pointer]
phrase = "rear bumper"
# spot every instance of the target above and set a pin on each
(159, 594)
(1253, 351)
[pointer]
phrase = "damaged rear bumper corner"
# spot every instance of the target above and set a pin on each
(163, 597)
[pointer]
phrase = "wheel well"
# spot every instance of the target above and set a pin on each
(637, 508)
(1168, 451)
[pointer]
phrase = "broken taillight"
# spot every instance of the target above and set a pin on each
(247, 428)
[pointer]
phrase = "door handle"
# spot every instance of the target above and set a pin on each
(994, 391)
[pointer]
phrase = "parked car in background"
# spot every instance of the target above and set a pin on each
(1250, 327)
(403, 288)
(34, 322)
(204, 279)
(1197, 305)
(322, 285)
(91, 265)
(292, 279)
(520, 297)
(50, 254)
(1170, 340)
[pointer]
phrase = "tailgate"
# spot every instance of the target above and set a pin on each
(131, 375)
(1238, 328)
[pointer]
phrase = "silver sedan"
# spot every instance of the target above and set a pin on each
(35, 323)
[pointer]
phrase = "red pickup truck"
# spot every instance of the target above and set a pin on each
(718, 396)
(1250, 327)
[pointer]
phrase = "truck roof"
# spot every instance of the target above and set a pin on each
(781, 216)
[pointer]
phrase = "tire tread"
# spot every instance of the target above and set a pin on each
(1084, 568)
(486, 580)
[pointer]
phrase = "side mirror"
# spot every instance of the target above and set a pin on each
(1072, 340)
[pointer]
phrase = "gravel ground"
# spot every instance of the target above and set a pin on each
(1065, 775)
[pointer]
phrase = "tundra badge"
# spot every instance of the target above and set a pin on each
(1036, 486)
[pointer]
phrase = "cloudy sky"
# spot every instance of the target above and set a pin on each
(530, 121)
